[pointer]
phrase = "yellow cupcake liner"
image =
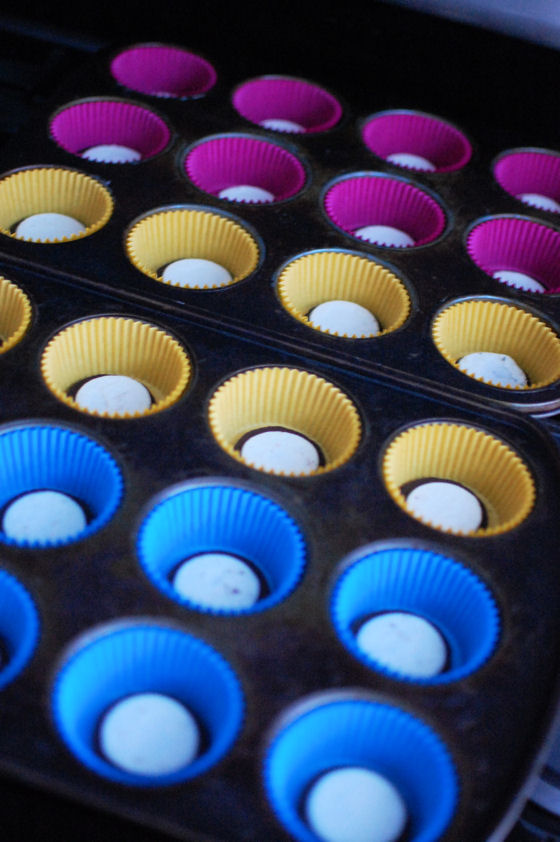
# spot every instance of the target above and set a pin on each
(53, 190)
(168, 235)
(289, 398)
(15, 314)
(473, 458)
(116, 345)
(479, 325)
(334, 275)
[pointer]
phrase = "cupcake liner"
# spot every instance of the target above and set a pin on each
(115, 345)
(285, 98)
(88, 123)
(230, 160)
(53, 190)
(139, 658)
(374, 199)
(15, 314)
(481, 325)
(320, 276)
(420, 134)
(227, 519)
(163, 70)
(358, 732)
(426, 584)
(39, 457)
(521, 245)
(477, 460)
(166, 235)
(19, 627)
(287, 398)
(529, 171)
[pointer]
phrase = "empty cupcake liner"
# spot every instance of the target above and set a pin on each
(354, 202)
(143, 657)
(15, 314)
(369, 734)
(291, 399)
(480, 462)
(217, 163)
(529, 171)
(116, 345)
(163, 70)
(513, 243)
(333, 275)
(429, 585)
(284, 98)
(226, 519)
(415, 133)
(42, 457)
(46, 189)
(19, 627)
(93, 122)
(481, 325)
(170, 234)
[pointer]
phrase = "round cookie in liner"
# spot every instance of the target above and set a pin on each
(282, 103)
(530, 175)
(163, 70)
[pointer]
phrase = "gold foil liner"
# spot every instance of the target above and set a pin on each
(478, 325)
(290, 398)
(52, 190)
(160, 238)
(15, 314)
(475, 459)
(331, 275)
(116, 345)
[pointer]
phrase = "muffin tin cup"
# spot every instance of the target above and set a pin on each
(529, 171)
(19, 627)
(356, 731)
(168, 234)
(475, 459)
(284, 98)
(221, 517)
(163, 70)
(141, 657)
(116, 345)
(15, 314)
(424, 583)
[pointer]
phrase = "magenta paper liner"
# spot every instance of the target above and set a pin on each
(163, 70)
(529, 171)
(361, 200)
(228, 160)
(94, 122)
(420, 134)
(517, 244)
(280, 97)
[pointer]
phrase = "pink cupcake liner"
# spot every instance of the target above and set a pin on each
(529, 171)
(231, 160)
(280, 97)
(163, 70)
(517, 244)
(362, 200)
(420, 134)
(82, 125)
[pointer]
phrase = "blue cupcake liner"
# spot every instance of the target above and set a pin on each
(19, 626)
(140, 658)
(41, 457)
(358, 732)
(432, 586)
(222, 518)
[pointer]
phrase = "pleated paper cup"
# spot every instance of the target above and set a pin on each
(15, 314)
(289, 101)
(291, 399)
(479, 325)
(116, 345)
(221, 518)
(428, 585)
(412, 132)
(19, 627)
(45, 189)
(379, 737)
(163, 70)
(145, 657)
(166, 235)
(523, 172)
(315, 278)
(473, 458)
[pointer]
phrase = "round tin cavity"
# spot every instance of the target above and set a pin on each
(163, 70)
(281, 103)
(532, 176)
(15, 314)
(19, 627)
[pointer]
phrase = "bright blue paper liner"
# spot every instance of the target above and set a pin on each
(19, 626)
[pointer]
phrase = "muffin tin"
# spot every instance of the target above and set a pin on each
(101, 613)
